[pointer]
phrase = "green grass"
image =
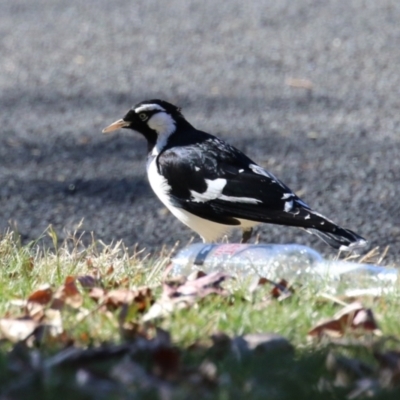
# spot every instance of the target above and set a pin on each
(28, 369)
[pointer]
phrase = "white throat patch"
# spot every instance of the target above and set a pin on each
(165, 126)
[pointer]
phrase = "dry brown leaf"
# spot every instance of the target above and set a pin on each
(41, 296)
(180, 294)
(53, 321)
(281, 290)
(68, 294)
(70, 288)
(97, 293)
(17, 329)
(263, 281)
(353, 316)
(199, 287)
(141, 297)
(118, 297)
(36, 302)
(35, 311)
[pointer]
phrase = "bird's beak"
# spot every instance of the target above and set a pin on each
(116, 125)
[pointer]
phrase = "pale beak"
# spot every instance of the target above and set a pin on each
(116, 125)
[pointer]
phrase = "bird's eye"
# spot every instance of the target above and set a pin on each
(143, 116)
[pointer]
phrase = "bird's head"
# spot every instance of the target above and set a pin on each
(155, 119)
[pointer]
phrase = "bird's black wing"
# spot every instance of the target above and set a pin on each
(213, 180)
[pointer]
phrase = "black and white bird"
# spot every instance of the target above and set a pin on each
(212, 187)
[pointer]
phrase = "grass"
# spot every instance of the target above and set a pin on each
(194, 351)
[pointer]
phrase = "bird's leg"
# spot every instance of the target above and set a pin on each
(246, 235)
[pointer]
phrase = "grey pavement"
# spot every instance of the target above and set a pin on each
(240, 70)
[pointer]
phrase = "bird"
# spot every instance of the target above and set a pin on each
(212, 187)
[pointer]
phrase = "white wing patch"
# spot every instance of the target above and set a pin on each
(287, 196)
(214, 191)
(288, 206)
(149, 107)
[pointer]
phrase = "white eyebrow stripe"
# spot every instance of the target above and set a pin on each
(149, 107)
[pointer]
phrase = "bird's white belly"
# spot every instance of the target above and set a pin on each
(208, 230)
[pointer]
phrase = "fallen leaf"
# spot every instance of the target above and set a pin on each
(16, 330)
(41, 296)
(53, 322)
(352, 317)
(141, 297)
(281, 290)
(198, 287)
(262, 281)
(35, 311)
(68, 294)
(178, 294)
(20, 303)
(159, 310)
(97, 293)
(70, 288)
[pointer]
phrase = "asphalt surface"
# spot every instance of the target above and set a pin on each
(68, 69)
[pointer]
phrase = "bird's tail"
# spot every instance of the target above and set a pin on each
(332, 234)
(300, 216)
(342, 239)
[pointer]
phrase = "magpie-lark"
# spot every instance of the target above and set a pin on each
(212, 187)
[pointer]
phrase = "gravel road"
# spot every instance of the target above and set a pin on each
(309, 89)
